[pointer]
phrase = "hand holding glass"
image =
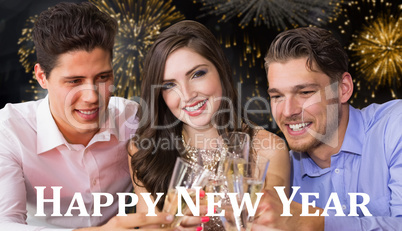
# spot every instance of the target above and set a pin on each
(186, 175)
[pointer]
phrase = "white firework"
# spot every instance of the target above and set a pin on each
(279, 14)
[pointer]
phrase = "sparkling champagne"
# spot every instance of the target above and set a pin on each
(171, 205)
(252, 186)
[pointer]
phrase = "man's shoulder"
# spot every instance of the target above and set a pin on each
(382, 124)
(19, 111)
(390, 107)
(374, 113)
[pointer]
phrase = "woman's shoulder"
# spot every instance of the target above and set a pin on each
(260, 134)
(264, 140)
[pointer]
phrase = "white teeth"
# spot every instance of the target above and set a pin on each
(88, 112)
(195, 107)
(298, 127)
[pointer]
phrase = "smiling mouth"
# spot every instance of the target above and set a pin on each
(195, 107)
(298, 127)
(89, 112)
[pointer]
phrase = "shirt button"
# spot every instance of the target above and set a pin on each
(343, 207)
(337, 170)
(94, 182)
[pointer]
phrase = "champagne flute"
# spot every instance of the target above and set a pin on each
(213, 159)
(189, 176)
(249, 177)
(237, 146)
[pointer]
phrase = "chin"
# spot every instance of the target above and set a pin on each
(199, 124)
(303, 146)
(88, 129)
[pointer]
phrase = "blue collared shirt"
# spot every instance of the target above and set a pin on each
(369, 161)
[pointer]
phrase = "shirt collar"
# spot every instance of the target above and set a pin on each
(352, 143)
(50, 137)
(308, 166)
(108, 128)
(48, 134)
(355, 134)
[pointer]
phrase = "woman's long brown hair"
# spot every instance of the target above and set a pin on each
(153, 164)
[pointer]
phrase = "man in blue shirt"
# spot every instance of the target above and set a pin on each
(347, 164)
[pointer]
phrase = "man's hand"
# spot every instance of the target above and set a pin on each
(269, 215)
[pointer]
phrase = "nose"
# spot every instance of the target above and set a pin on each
(189, 92)
(90, 94)
(292, 107)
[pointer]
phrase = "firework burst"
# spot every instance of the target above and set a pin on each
(374, 27)
(279, 14)
(377, 50)
(140, 21)
(26, 51)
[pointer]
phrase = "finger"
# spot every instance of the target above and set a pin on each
(261, 209)
(141, 219)
(191, 221)
(195, 228)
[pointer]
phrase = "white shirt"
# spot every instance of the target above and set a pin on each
(33, 152)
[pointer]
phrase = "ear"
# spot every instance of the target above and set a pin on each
(40, 76)
(346, 87)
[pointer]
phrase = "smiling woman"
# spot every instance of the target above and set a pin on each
(191, 103)
(195, 90)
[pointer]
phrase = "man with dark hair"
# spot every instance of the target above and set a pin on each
(347, 163)
(63, 159)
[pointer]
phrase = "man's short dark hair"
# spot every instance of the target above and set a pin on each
(318, 45)
(69, 27)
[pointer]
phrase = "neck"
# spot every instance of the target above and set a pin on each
(322, 153)
(79, 138)
(200, 138)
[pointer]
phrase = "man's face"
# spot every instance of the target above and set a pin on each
(79, 91)
(304, 104)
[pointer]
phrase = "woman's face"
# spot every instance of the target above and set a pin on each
(191, 88)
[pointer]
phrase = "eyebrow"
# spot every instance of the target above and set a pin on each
(81, 77)
(194, 68)
(188, 72)
(295, 88)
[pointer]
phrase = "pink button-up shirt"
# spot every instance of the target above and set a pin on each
(33, 152)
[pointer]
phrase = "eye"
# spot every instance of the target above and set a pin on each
(275, 98)
(74, 81)
(168, 85)
(199, 73)
(307, 93)
(105, 77)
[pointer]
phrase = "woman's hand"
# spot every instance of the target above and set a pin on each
(129, 222)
